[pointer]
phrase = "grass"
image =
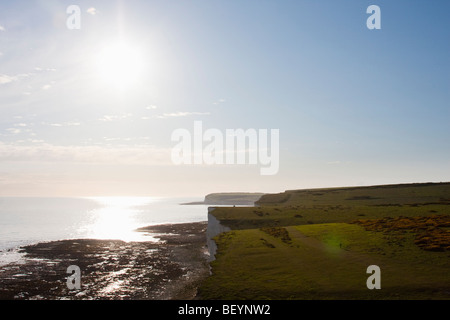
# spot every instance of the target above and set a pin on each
(327, 261)
(298, 247)
(273, 216)
(406, 194)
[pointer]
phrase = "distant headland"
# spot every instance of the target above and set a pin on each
(229, 199)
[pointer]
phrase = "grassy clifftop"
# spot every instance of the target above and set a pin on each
(374, 195)
(313, 206)
(318, 243)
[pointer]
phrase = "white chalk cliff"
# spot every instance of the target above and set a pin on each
(214, 228)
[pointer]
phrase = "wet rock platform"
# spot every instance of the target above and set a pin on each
(169, 269)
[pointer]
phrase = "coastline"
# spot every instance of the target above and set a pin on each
(170, 269)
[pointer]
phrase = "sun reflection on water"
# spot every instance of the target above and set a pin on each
(117, 219)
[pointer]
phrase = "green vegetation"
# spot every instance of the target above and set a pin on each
(339, 205)
(303, 245)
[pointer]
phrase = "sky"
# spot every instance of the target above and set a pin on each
(90, 110)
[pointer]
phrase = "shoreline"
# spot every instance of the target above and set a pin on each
(170, 269)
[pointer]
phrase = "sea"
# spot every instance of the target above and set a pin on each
(27, 221)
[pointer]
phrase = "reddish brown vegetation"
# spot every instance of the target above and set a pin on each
(431, 232)
(280, 233)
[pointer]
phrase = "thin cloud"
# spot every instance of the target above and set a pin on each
(72, 124)
(2, 28)
(41, 152)
(110, 118)
(6, 79)
(92, 11)
(182, 114)
(39, 69)
(62, 124)
(220, 101)
(14, 130)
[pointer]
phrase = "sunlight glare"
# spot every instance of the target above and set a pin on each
(119, 65)
(116, 220)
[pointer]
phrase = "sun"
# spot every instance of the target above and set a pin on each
(119, 65)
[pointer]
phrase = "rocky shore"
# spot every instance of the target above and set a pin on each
(170, 269)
